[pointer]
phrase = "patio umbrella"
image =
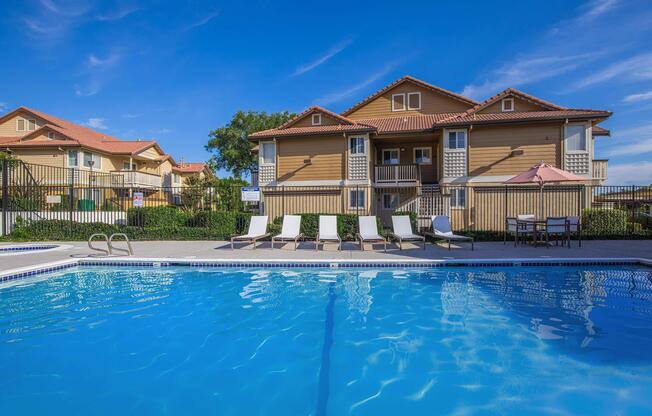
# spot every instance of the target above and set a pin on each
(541, 174)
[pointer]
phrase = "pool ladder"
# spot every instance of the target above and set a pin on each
(110, 248)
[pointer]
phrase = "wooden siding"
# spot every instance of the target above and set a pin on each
(8, 127)
(311, 158)
(47, 157)
(326, 120)
(519, 105)
(428, 172)
(490, 148)
(431, 103)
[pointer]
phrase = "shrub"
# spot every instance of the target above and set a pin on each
(164, 216)
(347, 225)
(604, 222)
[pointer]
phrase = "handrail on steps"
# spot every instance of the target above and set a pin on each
(129, 250)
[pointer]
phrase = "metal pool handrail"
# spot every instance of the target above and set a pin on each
(129, 250)
(105, 238)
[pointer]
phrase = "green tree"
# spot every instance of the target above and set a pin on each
(229, 146)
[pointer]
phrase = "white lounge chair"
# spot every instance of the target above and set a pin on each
(441, 228)
(257, 230)
(369, 232)
(291, 230)
(402, 231)
(328, 231)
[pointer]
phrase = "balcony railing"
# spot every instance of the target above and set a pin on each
(600, 169)
(135, 179)
(397, 174)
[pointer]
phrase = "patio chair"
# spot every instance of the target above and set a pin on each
(441, 228)
(328, 231)
(526, 222)
(556, 226)
(574, 227)
(291, 230)
(257, 230)
(515, 228)
(368, 232)
(402, 231)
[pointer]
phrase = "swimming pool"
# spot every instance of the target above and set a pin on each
(15, 249)
(423, 341)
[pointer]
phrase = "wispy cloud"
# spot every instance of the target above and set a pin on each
(597, 8)
(95, 61)
(117, 14)
(632, 173)
(3, 106)
(69, 9)
(130, 115)
(97, 72)
(342, 94)
(638, 67)
(633, 98)
(88, 89)
(639, 141)
(96, 123)
(322, 59)
(201, 22)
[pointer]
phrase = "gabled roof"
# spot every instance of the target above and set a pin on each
(190, 167)
(412, 80)
(490, 118)
(600, 131)
(315, 109)
(514, 93)
(407, 124)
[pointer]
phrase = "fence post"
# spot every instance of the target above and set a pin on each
(5, 194)
(71, 199)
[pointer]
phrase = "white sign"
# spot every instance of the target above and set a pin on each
(53, 199)
(250, 194)
(138, 199)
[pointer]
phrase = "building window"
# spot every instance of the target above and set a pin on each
(391, 157)
(268, 153)
(414, 101)
(73, 158)
(508, 104)
(398, 102)
(390, 201)
(423, 155)
(176, 178)
(356, 145)
(456, 140)
(356, 198)
(20, 124)
(31, 125)
(52, 135)
(125, 166)
(94, 158)
(575, 138)
(316, 119)
(458, 198)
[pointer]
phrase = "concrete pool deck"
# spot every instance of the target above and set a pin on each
(220, 250)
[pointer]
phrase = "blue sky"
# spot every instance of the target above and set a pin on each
(172, 71)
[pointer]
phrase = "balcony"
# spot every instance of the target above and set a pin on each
(397, 175)
(135, 179)
(600, 169)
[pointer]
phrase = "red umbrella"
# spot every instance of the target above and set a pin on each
(543, 173)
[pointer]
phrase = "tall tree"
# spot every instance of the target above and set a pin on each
(229, 146)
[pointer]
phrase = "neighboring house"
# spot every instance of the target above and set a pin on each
(186, 169)
(414, 138)
(38, 138)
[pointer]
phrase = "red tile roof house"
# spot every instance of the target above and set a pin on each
(410, 138)
(42, 139)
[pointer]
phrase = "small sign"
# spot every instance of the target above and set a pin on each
(53, 199)
(138, 199)
(250, 194)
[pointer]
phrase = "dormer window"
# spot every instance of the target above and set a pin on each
(398, 102)
(52, 135)
(20, 124)
(31, 125)
(508, 104)
(316, 119)
(414, 101)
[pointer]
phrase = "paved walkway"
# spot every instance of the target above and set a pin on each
(220, 250)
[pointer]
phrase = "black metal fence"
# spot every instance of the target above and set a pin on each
(40, 202)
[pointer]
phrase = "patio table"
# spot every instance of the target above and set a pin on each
(537, 227)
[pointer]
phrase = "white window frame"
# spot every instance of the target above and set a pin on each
(97, 166)
(414, 155)
(176, 179)
(364, 199)
(364, 145)
(394, 102)
(382, 156)
(68, 158)
(52, 135)
(24, 124)
(408, 101)
(31, 122)
(391, 195)
(318, 122)
(586, 138)
(262, 158)
(505, 100)
(455, 200)
(456, 148)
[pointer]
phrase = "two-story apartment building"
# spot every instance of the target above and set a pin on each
(411, 138)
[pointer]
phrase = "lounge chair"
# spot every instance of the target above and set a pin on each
(402, 231)
(257, 230)
(441, 228)
(328, 231)
(557, 226)
(369, 232)
(291, 230)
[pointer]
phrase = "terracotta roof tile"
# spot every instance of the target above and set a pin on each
(315, 108)
(415, 123)
(488, 118)
(190, 167)
(311, 130)
(516, 93)
(600, 131)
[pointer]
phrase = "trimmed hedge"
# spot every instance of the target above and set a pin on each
(347, 224)
(604, 222)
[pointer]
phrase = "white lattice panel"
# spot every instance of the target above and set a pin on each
(454, 164)
(578, 163)
(358, 167)
(267, 174)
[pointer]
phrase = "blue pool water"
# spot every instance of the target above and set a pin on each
(459, 341)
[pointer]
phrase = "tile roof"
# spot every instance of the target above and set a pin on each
(488, 118)
(311, 130)
(516, 93)
(414, 123)
(190, 167)
(413, 80)
(312, 109)
(600, 131)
